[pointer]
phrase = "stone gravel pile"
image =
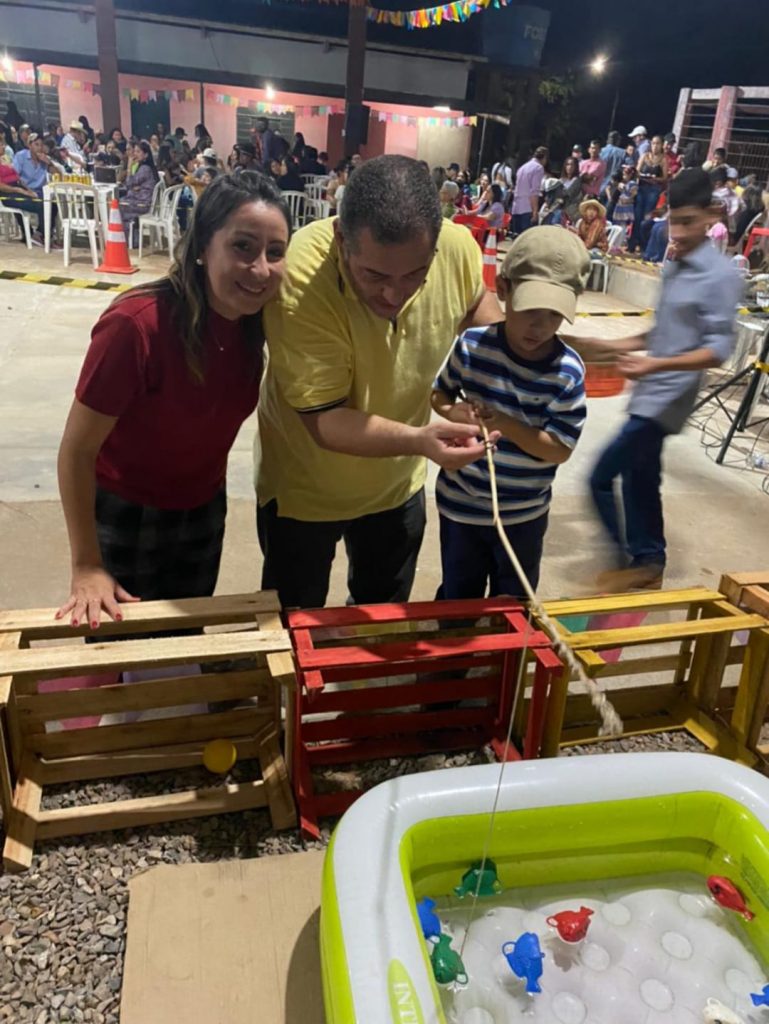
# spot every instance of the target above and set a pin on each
(63, 923)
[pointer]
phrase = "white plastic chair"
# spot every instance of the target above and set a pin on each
(154, 210)
(78, 214)
(316, 189)
(316, 209)
(296, 204)
(165, 222)
(9, 223)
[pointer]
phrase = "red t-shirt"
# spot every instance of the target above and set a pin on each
(170, 444)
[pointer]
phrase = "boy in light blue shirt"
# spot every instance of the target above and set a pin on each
(694, 331)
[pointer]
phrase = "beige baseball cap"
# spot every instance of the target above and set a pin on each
(548, 267)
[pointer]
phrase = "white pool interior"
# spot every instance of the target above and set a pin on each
(657, 949)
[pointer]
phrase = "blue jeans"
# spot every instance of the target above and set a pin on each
(658, 242)
(645, 202)
(521, 221)
(473, 556)
(635, 455)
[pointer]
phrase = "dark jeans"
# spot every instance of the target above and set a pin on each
(657, 245)
(382, 551)
(473, 556)
(635, 456)
(521, 221)
(30, 205)
(645, 202)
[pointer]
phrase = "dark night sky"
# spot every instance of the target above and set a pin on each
(703, 44)
(655, 49)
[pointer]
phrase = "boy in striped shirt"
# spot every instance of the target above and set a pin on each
(520, 379)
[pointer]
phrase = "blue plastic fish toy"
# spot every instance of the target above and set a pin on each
(762, 999)
(525, 959)
(428, 919)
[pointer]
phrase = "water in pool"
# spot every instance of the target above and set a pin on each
(656, 950)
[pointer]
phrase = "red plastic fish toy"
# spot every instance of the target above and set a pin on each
(571, 925)
(726, 894)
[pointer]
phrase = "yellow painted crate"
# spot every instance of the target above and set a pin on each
(691, 652)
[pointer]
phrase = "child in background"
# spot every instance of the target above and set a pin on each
(694, 331)
(592, 227)
(624, 208)
(519, 378)
(718, 233)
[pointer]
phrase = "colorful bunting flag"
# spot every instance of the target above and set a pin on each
(428, 17)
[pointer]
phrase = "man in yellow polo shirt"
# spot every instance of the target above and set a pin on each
(370, 305)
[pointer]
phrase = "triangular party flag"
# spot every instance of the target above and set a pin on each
(153, 95)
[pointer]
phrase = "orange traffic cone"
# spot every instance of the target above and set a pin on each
(490, 261)
(116, 258)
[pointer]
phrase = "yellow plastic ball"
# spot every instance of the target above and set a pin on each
(219, 756)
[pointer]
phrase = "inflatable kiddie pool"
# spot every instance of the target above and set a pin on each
(632, 837)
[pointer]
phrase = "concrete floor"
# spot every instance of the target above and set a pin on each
(714, 514)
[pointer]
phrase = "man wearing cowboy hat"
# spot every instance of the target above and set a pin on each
(638, 135)
(73, 143)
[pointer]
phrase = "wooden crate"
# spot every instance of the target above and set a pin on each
(32, 756)
(410, 681)
(750, 590)
(698, 646)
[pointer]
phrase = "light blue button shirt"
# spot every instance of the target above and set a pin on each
(33, 174)
(697, 309)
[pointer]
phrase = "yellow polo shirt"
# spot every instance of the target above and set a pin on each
(326, 346)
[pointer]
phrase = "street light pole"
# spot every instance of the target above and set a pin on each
(612, 124)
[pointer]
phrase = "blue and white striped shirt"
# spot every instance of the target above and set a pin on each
(548, 395)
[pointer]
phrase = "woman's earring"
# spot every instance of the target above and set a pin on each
(199, 261)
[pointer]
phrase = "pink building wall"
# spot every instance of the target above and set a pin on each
(433, 144)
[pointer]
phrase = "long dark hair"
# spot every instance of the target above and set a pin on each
(185, 284)
(575, 164)
(149, 160)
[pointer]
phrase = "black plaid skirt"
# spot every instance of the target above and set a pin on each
(161, 554)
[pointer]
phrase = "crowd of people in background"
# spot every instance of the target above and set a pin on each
(31, 157)
(621, 183)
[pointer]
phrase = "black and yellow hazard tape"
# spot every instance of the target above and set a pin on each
(634, 262)
(604, 312)
(63, 282)
(110, 286)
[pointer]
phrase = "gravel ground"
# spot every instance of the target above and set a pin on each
(62, 924)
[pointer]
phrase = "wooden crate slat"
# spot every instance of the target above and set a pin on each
(404, 695)
(163, 731)
(756, 599)
(20, 829)
(276, 782)
(8, 698)
(415, 611)
(136, 762)
(666, 632)
(193, 803)
(193, 612)
(360, 726)
(154, 693)
(90, 659)
(732, 584)
(753, 691)
(637, 601)
(389, 655)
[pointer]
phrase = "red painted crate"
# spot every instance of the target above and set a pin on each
(427, 669)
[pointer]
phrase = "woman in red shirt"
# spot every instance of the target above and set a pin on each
(172, 371)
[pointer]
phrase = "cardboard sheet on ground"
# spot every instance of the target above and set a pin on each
(235, 942)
